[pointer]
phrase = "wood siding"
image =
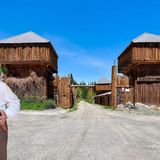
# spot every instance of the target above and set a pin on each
(10, 54)
(102, 87)
(143, 70)
(64, 96)
(125, 59)
(139, 53)
(148, 93)
(122, 81)
(22, 59)
(103, 100)
(21, 71)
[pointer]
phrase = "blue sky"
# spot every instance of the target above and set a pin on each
(87, 34)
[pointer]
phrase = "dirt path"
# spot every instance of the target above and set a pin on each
(90, 133)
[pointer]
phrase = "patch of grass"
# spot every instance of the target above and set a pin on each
(37, 104)
(75, 106)
(105, 107)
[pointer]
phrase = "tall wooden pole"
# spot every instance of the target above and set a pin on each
(113, 87)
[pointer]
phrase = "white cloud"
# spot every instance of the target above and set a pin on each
(85, 63)
(78, 54)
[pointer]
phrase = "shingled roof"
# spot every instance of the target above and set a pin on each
(28, 37)
(147, 37)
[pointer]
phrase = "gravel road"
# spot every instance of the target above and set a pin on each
(90, 133)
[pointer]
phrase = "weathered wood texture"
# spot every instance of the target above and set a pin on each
(99, 88)
(103, 100)
(124, 95)
(141, 62)
(122, 81)
(21, 59)
(113, 87)
(63, 92)
(139, 53)
(148, 93)
(128, 96)
(25, 70)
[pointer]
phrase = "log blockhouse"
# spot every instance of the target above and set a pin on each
(29, 52)
(140, 61)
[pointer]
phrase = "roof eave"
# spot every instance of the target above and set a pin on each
(130, 44)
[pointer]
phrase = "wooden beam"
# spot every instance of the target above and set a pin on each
(113, 87)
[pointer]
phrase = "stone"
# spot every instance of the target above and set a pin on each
(129, 105)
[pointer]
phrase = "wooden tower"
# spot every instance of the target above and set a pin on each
(140, 61)
(29, 52)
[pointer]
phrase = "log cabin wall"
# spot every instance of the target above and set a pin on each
(103, 100)
(137, 54)
(148, 93)
(122, 81)
(21, 71)
(102, 88)
(23, 53)
(29, 52)
(21, 59)
(53, 59)
(143, 68)
(146, 52)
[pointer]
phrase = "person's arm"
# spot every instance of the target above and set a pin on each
(12, 101)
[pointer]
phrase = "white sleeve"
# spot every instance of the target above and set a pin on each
(12, 101)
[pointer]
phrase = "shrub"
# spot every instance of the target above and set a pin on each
(32, 86)
(34, 103)
(83, 93)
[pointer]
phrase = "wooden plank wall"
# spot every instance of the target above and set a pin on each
(139, 53)
(103, 100)
(21, 71)
(125, 58)
(53, 59)
(146, 52)
(148, 93)
(24, 53)
(99, 88)
(146, 70)
(122, 81)
(64, 92)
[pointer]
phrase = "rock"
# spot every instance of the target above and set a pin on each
(142, 107)
(129, 105)
(120, 107)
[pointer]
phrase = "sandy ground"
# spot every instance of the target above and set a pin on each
(90, 133)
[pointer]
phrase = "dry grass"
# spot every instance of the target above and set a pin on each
(28, 87)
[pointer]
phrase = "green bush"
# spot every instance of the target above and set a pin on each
(83, 93)
(33, 103)
(75, 106)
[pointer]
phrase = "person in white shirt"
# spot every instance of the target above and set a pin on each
(9, 107)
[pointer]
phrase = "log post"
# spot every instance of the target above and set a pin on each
(113, 87)
(135, 92)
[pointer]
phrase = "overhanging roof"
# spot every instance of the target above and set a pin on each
(103, 94)
(143, 38)
(28, 37)
(147, 37)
